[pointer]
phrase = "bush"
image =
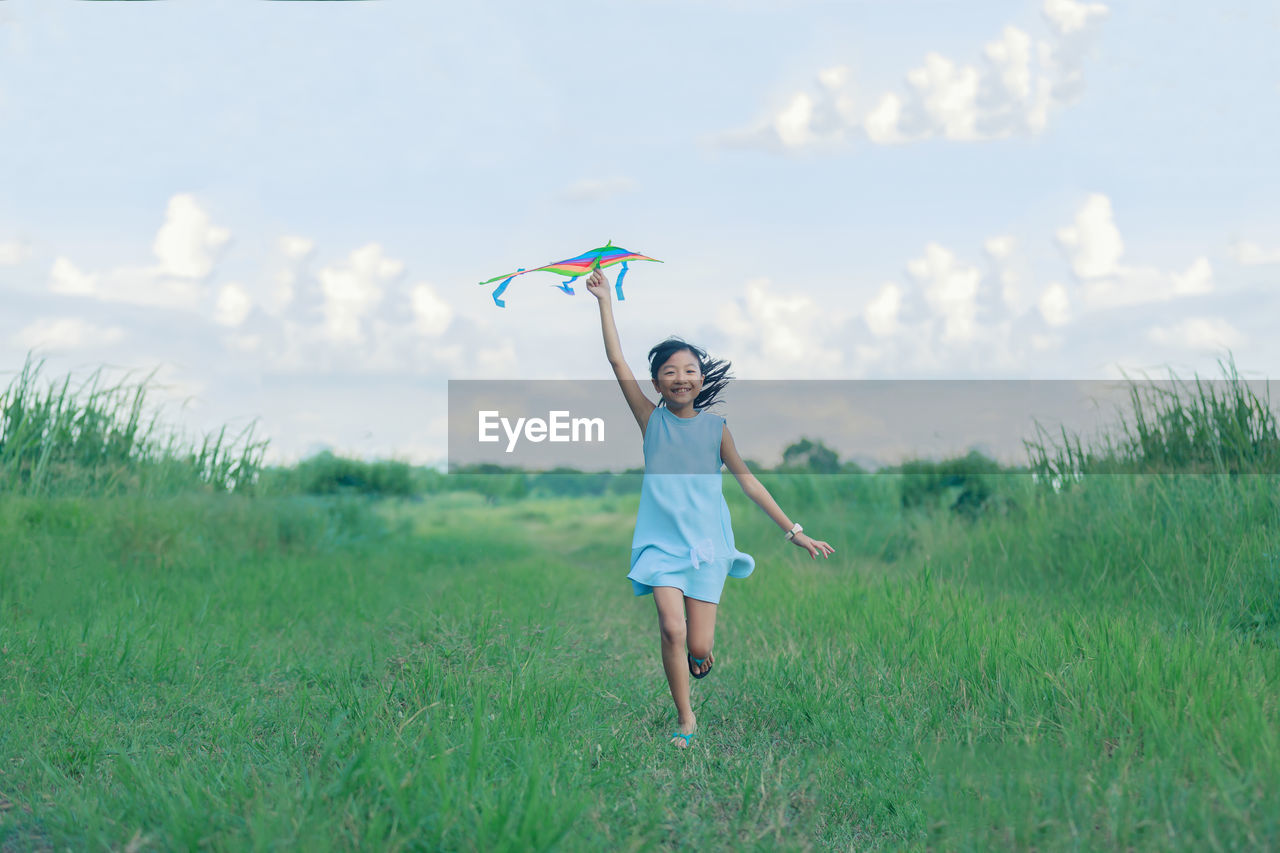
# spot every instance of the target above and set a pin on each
(967, 485)
(327, 474)
(809, 456)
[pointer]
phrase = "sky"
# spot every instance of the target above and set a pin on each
(282, 210)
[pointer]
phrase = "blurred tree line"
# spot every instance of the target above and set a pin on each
(968, 485)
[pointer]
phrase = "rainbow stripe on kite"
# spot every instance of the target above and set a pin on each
(605, 256)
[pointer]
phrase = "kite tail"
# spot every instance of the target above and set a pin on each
(565, 286)
(502, 303)
(617, 285)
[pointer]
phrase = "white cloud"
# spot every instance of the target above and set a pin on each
(1054, 305)
(792, 123)
(1012, 91)
(233, 305)
(835, 78)
(1197, 279)
(599, 189)
(950, 288)
(1068, 17)
(295, 248)
(13, 252)
(947, 93)
(882, 122)
(384, 325)
(1094, 248)
(65, 277)
(881, 313)
(1075, 26)
(186, 246)
(1011, 57)
(1000, 250)
(824, 115)
(938, 319)
(149, 286)
(780, 331)
(188, 242)
(66, 333)
(950, 315)
(431, 314)
(295, 252)
(281, 294)
(1202, 334)
(352, 289)
(1093, 242)
(1250, 254)
(946, 315)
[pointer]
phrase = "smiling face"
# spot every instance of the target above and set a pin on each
(679, 379)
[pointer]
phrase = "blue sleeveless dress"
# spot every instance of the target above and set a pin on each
(684, 536)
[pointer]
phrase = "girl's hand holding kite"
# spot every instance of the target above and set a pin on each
(598, 285)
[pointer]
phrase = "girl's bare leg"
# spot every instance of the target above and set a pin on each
(702, 632)
(671, 625)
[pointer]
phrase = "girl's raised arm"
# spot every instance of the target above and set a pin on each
(641, 406)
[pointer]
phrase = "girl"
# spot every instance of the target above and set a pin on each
(683, 545)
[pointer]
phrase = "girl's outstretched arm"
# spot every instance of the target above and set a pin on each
(755, 490)
(641, 406)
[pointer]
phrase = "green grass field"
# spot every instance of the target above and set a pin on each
(199, 653)
(1095, 670)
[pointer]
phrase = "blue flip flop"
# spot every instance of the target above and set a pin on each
(699, 662)
(687, 737)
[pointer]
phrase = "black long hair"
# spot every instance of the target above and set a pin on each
(715, 371)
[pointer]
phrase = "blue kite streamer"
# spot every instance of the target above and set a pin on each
(617, 285)
(502, 287)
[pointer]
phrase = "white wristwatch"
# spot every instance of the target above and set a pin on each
(796, 528)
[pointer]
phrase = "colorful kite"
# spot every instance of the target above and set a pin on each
(605, 256)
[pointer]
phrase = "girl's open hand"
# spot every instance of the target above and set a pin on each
(598, 284)
(813, 546)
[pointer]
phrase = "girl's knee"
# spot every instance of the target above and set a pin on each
(673, 631)
(699, 650)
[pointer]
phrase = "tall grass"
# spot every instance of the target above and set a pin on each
(1184, 427)
(96, 439)
(1190, 527)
